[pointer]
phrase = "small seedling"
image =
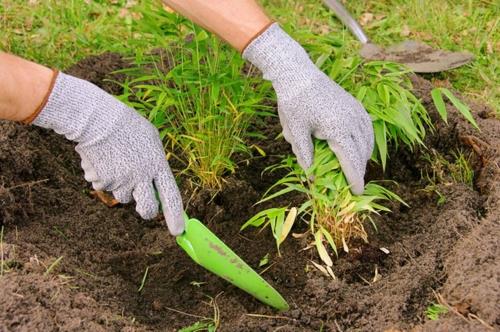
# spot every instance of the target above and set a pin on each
(434, 310)
(209, 324)
(264, 260)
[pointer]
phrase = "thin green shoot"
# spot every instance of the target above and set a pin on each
(455, 168)
(143, 281)
(433, 188)
(264, 260)
(2, 261)
(60, 232)
(53, 266)
(205, 325)
(461, 169)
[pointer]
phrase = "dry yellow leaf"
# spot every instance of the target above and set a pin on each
(323, 254)
(320, 268)
(287, 225)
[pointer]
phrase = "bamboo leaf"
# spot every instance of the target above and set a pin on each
(320, 268)
(329, 238)
(381, 140)
(323, 254)
(287, 225)
(437, 97)
(461, 107)
(330, 272)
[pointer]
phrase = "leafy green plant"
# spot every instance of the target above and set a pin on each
(384, 89)
(333, 213)
(199, 97)
(434, 310)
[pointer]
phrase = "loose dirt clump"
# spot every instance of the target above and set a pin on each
(101, 254)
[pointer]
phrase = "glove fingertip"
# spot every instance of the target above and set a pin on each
(305, 156)
(354, 175)
(357, 187)
(148, 214)
(171, 202)
(175, 223)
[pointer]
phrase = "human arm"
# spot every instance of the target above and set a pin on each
(309, 103)
(235, 21)
(23, 85)
(120, 150)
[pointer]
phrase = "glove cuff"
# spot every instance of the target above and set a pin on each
(79, 110)
(282, 61)
(40, 107)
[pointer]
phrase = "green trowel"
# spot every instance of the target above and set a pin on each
(206, 249)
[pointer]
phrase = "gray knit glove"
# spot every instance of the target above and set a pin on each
(309, 103)
(120, 150)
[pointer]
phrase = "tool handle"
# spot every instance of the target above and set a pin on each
(348, 20)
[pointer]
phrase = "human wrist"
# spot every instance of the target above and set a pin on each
(23, 84)
(43, 101)
(282, 61)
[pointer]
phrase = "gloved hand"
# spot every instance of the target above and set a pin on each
(120, 150)
(309, 103)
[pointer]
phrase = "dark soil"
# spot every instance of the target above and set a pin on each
(449, 249)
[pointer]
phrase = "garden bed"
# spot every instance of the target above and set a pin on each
(450, 249)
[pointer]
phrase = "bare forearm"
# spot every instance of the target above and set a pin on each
(235, 21)
(23, 86)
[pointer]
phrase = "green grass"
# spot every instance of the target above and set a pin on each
(58, 33)
(453, 25)
(448, 170)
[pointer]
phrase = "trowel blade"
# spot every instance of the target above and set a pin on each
(206, 249)
(420, 57)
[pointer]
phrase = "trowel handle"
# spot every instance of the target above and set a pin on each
(347, 19)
